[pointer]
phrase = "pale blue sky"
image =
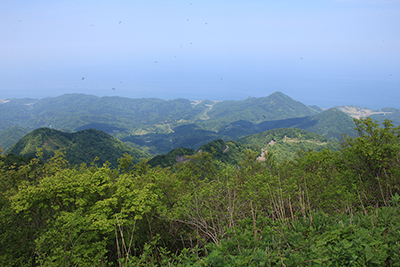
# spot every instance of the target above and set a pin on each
(331, 52)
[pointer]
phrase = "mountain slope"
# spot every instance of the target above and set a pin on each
(331, 124)
(80, 147)
(11, 135)
(171, 158)
(230, 152)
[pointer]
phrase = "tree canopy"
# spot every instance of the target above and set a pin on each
(322, 208)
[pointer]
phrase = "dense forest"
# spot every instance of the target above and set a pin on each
(322, 208)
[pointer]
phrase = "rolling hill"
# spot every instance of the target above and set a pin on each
(80, 147)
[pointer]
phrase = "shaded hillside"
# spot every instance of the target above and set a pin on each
(242, 128)
(80, 147)
(188, 136)
(285, 142)
(11, 135)
(230, 152)
(171, 158)
(331, 124)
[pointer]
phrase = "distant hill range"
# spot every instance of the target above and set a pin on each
(80, 147)
(146, 115)
(11, 135)
(158, 126)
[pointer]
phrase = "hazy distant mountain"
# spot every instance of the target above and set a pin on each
(379, 115)
(389, 110)
(80, 147)
(16, 112)
(151, 115)
(394, 117)
(360, 112)
(11, 135)
(77, 110)
(392, 114)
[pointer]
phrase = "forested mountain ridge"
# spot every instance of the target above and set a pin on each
(74, 111)
(158, 126)
(80, 147)
(150, 124)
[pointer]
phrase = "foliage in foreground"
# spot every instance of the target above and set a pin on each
(322, 209)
